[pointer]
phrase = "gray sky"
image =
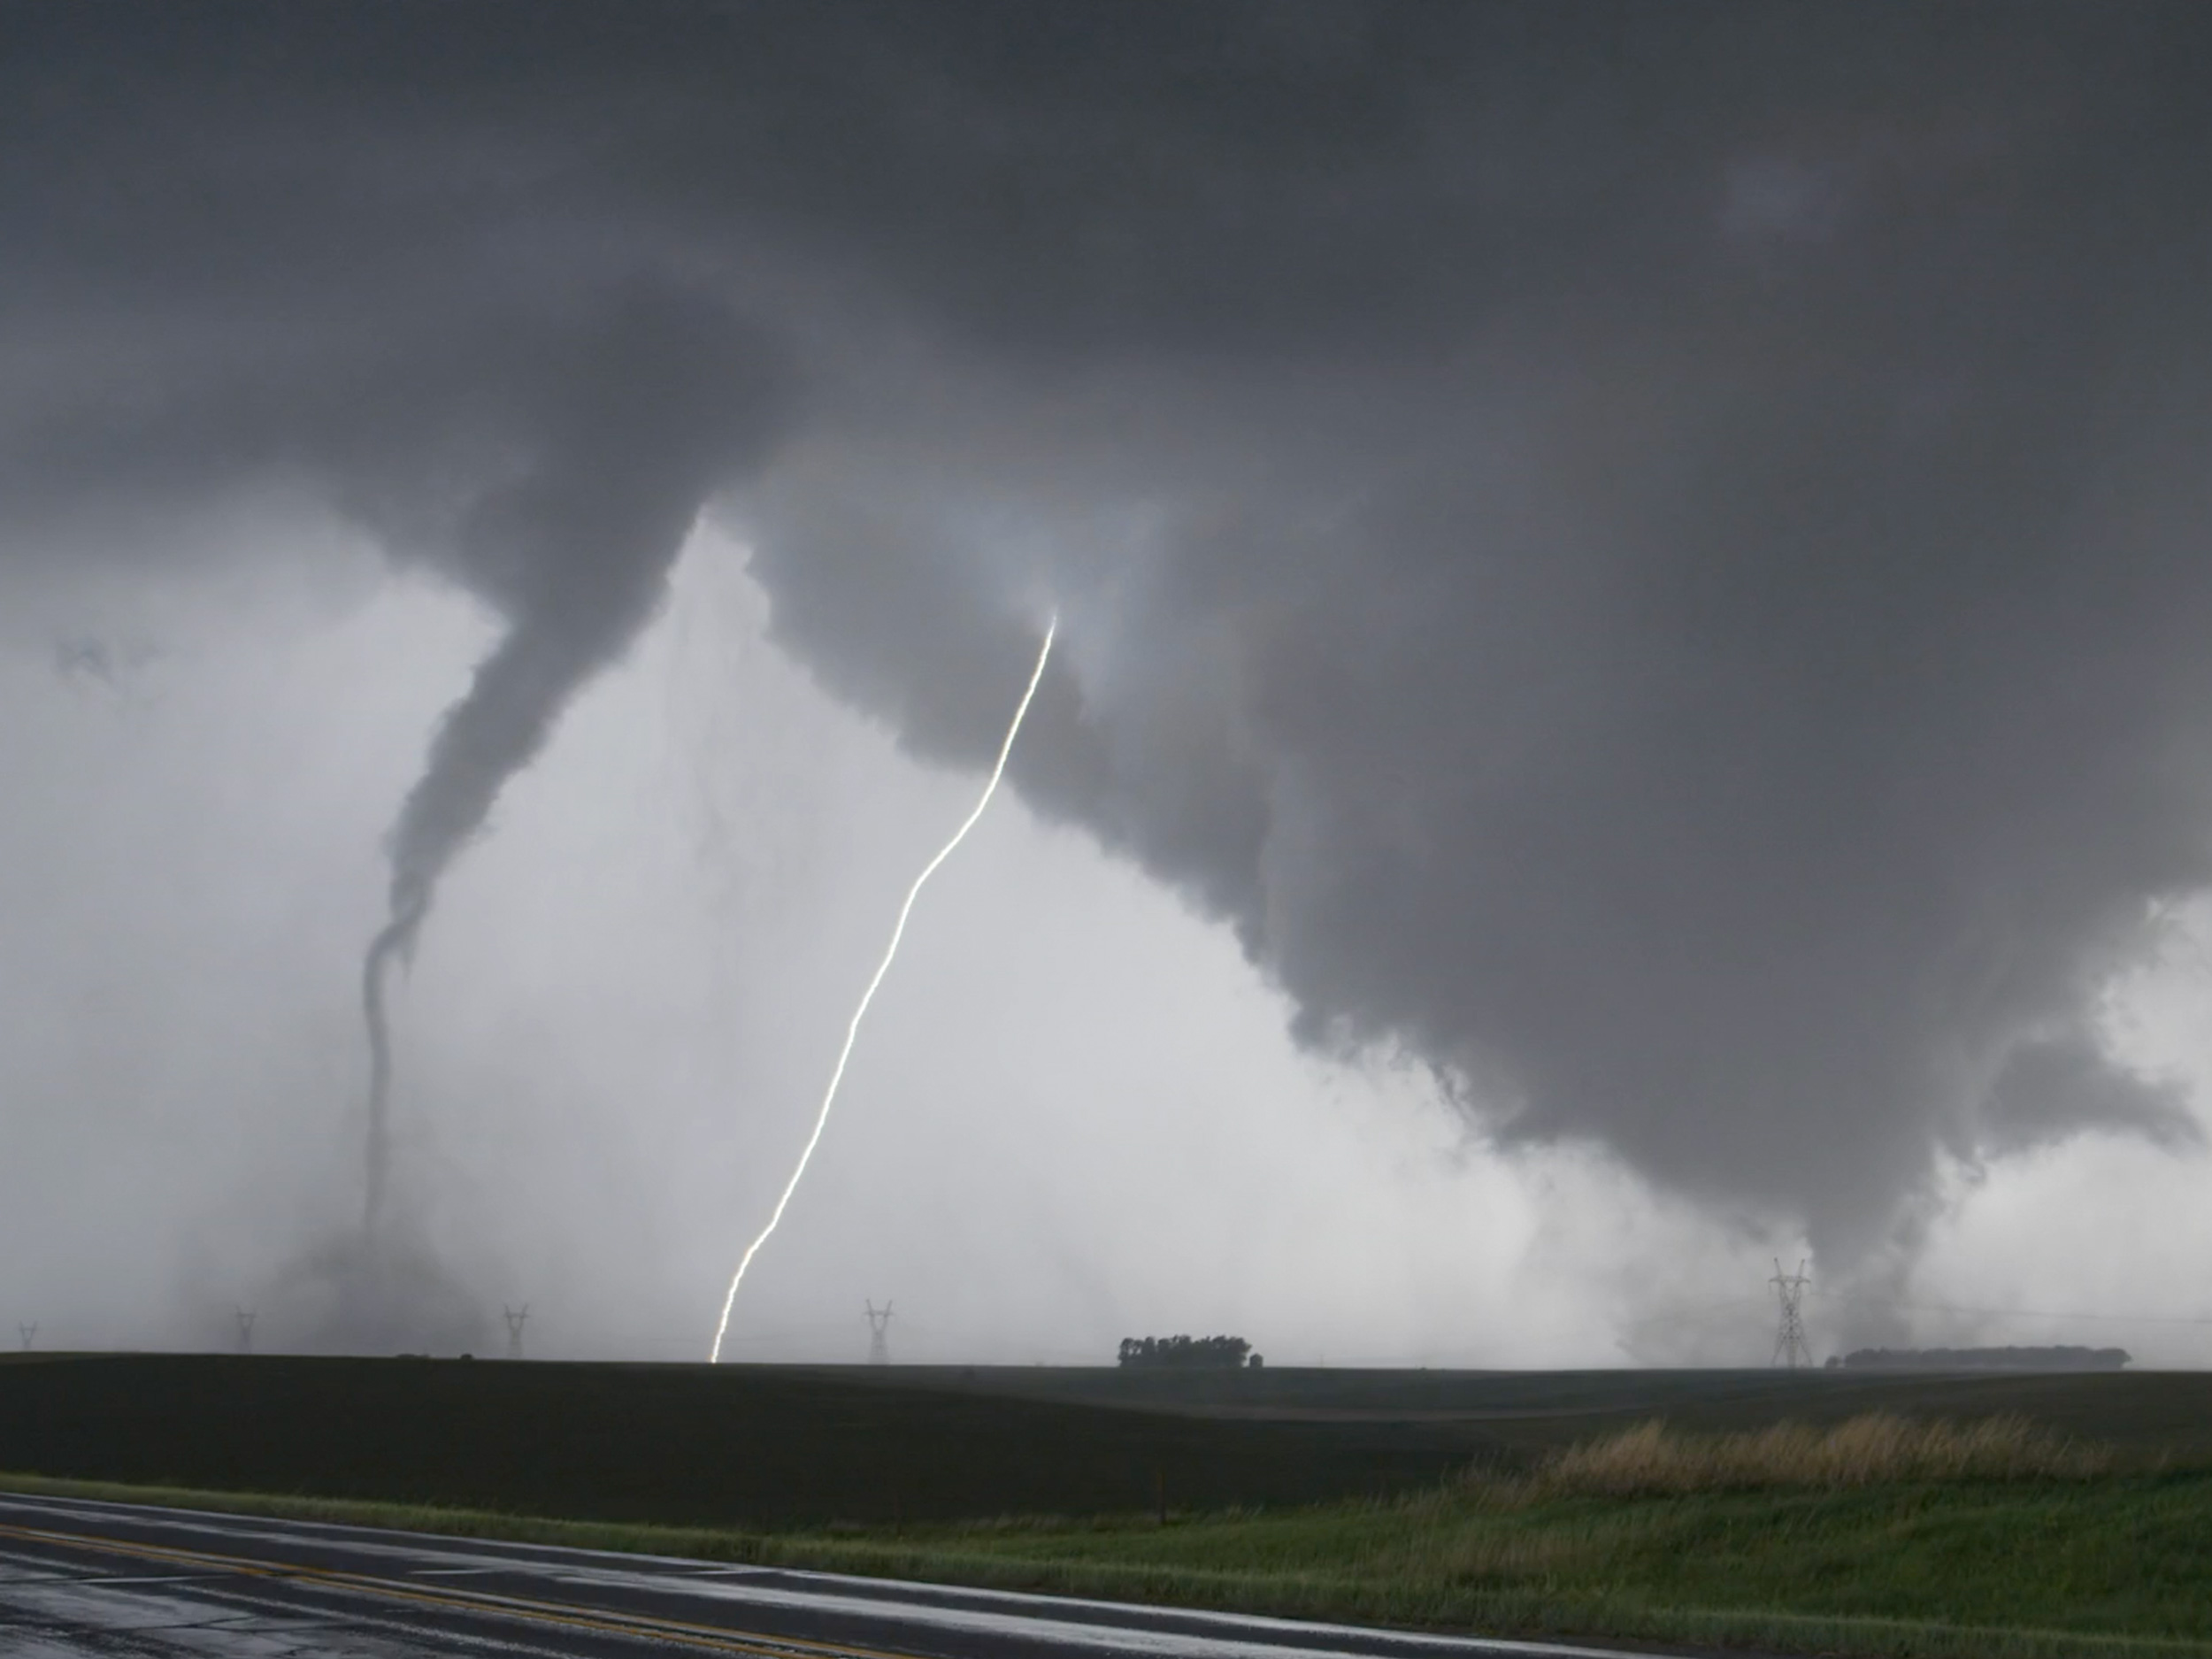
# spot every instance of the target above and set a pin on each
(1631, 698)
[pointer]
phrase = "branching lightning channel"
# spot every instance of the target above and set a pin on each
(852, 1031)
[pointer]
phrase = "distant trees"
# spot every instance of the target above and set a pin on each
(1986, 1359)
(1188, 1352)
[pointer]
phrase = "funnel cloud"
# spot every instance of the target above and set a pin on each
(661, 397)
(1651, 557)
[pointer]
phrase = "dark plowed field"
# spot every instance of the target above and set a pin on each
(763, 1445)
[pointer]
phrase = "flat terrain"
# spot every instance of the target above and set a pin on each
(791, 1445)
(749, 1446)
(1913, 1568)
(1413, 1499)
(1527, 1411)
(90, 1580)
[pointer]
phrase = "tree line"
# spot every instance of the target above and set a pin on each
(1228, 1351)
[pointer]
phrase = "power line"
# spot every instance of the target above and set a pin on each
(245, 1330)
(2021, 1313)
(517, 1318)
(1789, 1338)
(878, 1322)
(29, 1333)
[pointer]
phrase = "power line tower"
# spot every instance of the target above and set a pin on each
(1790, 1348)
(245, 1330)
(517, 1318)
(29, 1333)
(878, 1322)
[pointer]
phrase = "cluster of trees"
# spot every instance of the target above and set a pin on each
(1226, 1351)
(1986, 1359)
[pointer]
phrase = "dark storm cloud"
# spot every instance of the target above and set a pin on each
(632, 420)
(1654, 555)
(2052, 1085)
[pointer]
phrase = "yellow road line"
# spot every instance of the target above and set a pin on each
(515, 1607)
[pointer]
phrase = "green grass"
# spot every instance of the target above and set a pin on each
(2028, 1568)
(2018, 1517)
(1876, 1448)
(1876, 1534)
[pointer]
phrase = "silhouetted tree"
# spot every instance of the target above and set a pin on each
(1988, 1359)
(1226, 1352)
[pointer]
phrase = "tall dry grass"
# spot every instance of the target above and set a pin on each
(1653, 1459)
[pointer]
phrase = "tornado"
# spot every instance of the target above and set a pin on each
(392, 939)
(629, 422)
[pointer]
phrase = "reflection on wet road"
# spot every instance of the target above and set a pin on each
(80, 1579)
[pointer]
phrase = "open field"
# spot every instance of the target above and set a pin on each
(781, 1446)
(1529, 1411)
(734, 1446)
(2083, 1525)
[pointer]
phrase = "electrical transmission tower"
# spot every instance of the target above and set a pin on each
(245, 1330)
(517, 1318)
(878, 1322)
(1790, 1348)
(29, 1333)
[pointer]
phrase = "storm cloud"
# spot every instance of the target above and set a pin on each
(1653, 557)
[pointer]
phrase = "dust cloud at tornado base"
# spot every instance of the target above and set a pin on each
(1657, 570)
(608, 1076)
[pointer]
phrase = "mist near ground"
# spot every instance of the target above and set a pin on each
(1632, 579)
(1078, 1112)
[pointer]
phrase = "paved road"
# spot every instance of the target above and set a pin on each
(122, 1581)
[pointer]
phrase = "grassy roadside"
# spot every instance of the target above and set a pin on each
(1875, 1538)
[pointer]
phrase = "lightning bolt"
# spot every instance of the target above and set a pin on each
(852, 1031)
